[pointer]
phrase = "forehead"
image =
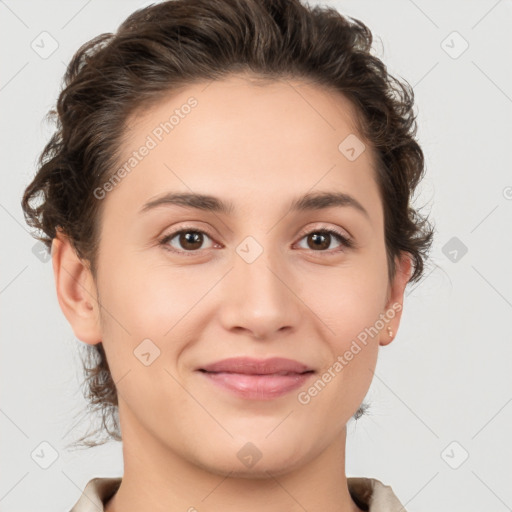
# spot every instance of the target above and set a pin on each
(255, 138)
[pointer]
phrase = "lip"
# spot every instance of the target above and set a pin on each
(253, 366)
(257, 379)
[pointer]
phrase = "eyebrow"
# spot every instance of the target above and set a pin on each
(308, 202)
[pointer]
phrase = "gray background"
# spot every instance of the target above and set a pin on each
(442, 390)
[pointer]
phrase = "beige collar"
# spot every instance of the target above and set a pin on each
(369, 494)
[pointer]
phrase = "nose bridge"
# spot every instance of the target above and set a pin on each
(260, 296)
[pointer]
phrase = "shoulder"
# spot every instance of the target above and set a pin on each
(96, 493)
(372, 495)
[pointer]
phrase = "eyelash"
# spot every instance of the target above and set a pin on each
(345, 242)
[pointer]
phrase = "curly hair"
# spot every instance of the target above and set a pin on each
(172, 44)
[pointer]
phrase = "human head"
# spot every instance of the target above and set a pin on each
(170, 46)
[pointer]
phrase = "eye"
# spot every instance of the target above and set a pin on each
(320, 239)
(189, 240)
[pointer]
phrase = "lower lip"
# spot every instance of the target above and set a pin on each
(258, 387)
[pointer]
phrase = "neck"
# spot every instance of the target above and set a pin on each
(158, 479)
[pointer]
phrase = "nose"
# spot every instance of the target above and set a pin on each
(261, 298)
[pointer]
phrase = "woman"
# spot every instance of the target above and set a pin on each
(227, 199)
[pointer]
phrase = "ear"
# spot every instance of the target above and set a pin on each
(394, 304)
(76, 290)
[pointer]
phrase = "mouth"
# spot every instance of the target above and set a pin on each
(258, 374)
(253, 379)
(252, 366)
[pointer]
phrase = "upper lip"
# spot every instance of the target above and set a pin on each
(252, 366)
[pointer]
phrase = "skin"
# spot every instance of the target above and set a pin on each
(258, 146)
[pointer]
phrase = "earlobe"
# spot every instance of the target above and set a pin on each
(394, 306)
(76, 290)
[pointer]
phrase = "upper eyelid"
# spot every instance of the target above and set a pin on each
(301, 233)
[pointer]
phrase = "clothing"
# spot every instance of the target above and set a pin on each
(369, 494)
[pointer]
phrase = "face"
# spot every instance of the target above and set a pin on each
(183, 287)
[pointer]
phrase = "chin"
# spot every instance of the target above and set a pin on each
(260, 471)
(243, 458)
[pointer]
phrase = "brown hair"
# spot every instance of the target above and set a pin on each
(169, 45)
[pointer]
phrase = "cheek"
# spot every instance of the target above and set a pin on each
(349, 309)
(348, 299)
(140, 302)
(147, 298)
(349, 303)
